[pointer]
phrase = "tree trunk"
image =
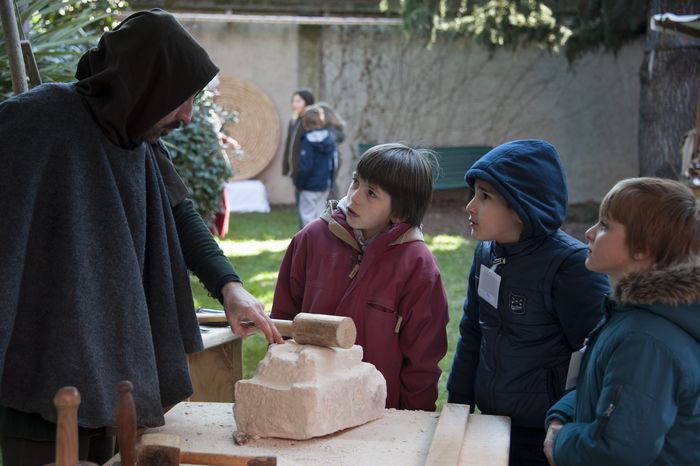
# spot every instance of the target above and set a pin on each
(668, 93)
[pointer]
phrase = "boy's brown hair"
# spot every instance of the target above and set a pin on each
(403, 172)
(314, 118)
(660, 217)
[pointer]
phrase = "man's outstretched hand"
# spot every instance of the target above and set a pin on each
(240, 305)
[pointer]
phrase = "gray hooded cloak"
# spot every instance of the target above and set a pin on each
(94, 285)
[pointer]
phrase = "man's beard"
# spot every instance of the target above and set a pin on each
(157, 132)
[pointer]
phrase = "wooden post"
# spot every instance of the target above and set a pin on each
(14, 50)
(696, 150)
(30, 63)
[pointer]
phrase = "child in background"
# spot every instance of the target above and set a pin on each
(366, 259)
(638, 396)
(530, 300)
(314, 174)
(336, 125)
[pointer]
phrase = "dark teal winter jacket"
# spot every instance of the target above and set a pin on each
(638, 398)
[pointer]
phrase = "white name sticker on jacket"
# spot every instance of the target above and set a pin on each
(489, 284)
(574, 369)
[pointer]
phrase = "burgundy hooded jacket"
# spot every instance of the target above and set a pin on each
(392, 291)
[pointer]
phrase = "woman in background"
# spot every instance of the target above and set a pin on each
(301, 98)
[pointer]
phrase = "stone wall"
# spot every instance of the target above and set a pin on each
(390, 89)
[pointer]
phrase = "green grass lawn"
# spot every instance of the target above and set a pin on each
(256, 243)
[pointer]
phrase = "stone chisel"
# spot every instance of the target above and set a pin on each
(160, 449)
(306, 328)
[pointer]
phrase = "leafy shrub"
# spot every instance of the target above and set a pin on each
(59, 32)
(199, 154)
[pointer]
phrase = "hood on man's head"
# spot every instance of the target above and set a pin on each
(139, 72)
(530, 177)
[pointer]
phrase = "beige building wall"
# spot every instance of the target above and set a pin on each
(267, 56)
(390, 89)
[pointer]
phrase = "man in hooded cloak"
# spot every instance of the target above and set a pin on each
(96, 237)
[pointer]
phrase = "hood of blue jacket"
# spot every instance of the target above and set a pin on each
(321, 140)
(530, 177)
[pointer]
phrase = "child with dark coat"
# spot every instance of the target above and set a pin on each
(317, 159)
(530, 301)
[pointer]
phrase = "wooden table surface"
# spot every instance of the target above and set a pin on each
(399, 438)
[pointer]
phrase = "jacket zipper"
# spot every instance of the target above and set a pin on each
(603, 421)
(353, 273)
(495, 264)
(356, 268)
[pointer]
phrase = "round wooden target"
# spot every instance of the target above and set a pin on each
(257, 129)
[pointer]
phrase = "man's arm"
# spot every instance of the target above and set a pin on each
(207, 261)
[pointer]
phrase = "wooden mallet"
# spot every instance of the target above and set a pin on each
(126, 423)
(164, 450)
(67, 400)
(306, 328)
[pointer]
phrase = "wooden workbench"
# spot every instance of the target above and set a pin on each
(399, 438)
(215, 371)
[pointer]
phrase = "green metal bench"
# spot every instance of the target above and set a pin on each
(453, 162)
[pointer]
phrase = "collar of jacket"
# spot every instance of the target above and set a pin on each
(522, 247)
(676, 285)
(399, 233)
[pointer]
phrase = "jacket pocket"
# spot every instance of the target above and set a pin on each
(604, 418)
(384, 314)
(622, 413)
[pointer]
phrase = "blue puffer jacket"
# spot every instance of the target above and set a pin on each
(316, 162)
(638, 398)
(512, 360)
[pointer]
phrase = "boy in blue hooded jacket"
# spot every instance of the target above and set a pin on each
(530, 299)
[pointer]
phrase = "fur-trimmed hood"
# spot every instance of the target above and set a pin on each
(673, 286)
(673, 293)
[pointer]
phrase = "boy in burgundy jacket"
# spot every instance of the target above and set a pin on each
(365, 258)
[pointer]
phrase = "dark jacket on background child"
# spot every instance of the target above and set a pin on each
(513, 360)
(316, 161)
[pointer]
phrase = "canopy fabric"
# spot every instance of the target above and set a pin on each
(682, 25)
